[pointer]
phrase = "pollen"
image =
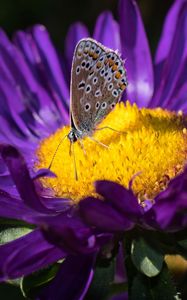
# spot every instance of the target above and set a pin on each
(148, 145)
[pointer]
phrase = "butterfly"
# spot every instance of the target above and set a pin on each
(98, 79)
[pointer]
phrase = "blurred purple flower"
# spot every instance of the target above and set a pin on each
(35, 102)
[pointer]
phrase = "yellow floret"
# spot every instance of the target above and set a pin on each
(150, 143)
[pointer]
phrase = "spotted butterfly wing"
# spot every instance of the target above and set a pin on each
(97, 82)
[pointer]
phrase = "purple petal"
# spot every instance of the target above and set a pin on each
(169, 210)
(33, 98)
(21, 177)
(66, 230)
(73, 279)
(170, 59)
(97, 213)
(43, 173)
(51, 62)
(37, 64)
(136, 51)
(26, 255)
(14, 208)
(107, 31)
(76, 32)
(122, 199)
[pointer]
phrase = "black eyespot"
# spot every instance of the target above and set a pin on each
(103, 105)
(113, 57)
(120, 70)
(77, 70)
(95, 79)
(106, 74)
(87, 106)
(115, 93)
(97, 105)
(87, 65)
(97, 51)
(88, 88)
(81, 84)
(102, 71)
(108, 55)
(91, 73)
(83, 64)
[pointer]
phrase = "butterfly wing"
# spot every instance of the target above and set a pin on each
(98, 80)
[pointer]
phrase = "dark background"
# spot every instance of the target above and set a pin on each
(57, 15)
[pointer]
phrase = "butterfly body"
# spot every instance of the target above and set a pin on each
(98, 79)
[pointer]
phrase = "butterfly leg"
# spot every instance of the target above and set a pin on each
(98, 142)
(82, 146)
(108, 127)
(71, 151)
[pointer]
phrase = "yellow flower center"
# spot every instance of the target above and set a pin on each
(150, 143)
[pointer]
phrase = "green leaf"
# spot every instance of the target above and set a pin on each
(102, 282)
(12, 233)
(146, 259)
(159, 287)
(31, 284)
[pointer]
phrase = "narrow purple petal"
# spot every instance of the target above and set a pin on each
(26, 255)
(136, 51)
(107, 31)
(52, 64)
(21, 177)
(37, 64)
(169, 71)
(100, 214)
(166, 40)
(73, 279)
(32, 96)
(69, 232)
(76, 32)
(122, 199)
(14, 208)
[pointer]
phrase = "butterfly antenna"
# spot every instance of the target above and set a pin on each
(52, 160)
(74, 160)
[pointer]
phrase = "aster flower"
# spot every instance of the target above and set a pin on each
(142, 174)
